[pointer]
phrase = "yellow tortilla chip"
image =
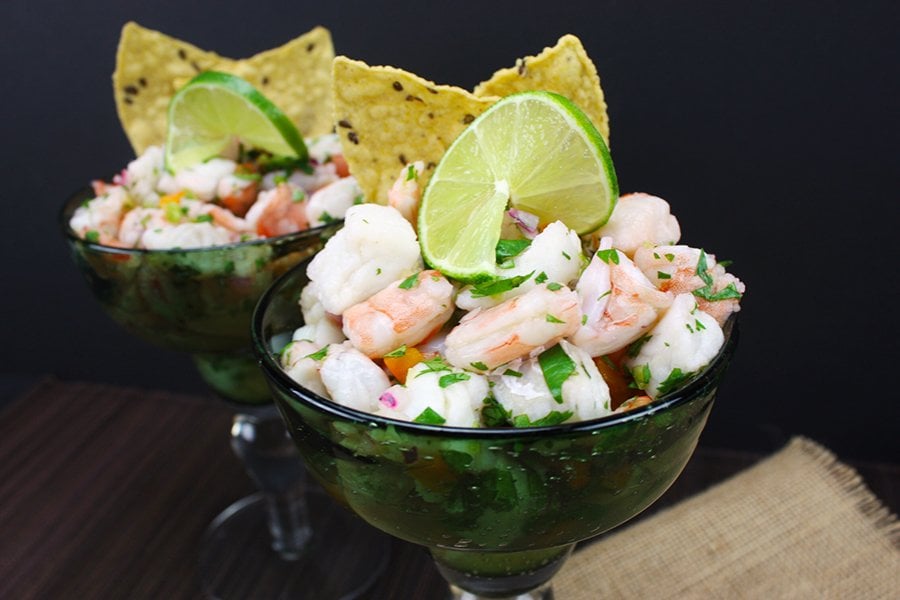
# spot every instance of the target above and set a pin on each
(296, 77)
(387, 117)
(151, 66)
(565, 69)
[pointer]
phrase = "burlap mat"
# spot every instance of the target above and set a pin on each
(797, 525)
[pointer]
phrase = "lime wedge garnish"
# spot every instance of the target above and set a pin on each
(213, 110)
(533, 151)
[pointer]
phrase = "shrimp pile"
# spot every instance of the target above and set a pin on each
(570, 329)
(218, 202)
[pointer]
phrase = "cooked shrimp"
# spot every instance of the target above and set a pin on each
(202, 180)
(137, 222)
(454, 395)
(405, 312)
(406, 192)
(99, 218)
(684, 341)
(490, 338)
(238, 192)
(187, 235)
(332, 201)
(142, 175)
(297, 363)
(351, 378)
(322, 333)
(522, 389)
(554, 256)
(640, 219)
(278, 212)
(680, 269)
(626, 309)
(375, 247)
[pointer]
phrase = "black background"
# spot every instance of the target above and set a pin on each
(770, 127)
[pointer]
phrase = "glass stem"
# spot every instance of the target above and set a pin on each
(544, 592)
(273, 463)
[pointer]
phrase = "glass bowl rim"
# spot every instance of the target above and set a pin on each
(83, 193)
(275, 374)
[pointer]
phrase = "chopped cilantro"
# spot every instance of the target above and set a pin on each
(401, 351)
(553, 286)
(207, 218)
(451, 378)
(689, 328)
(726, 293)
(706, 292)
(92, 236)
(584, 319)
(229, 267)
(641, 376)
(326, 218)
(636, 345)
(663, 275)
(434, 365)
(557, 366)
(669, 256)
(429, 416)
(609, 255)
(318, 354)
(725, 263)
(378, 271)
(567, 257)
(248, 176)
(698, 325)
(507, 249)
(409, 282)
(479, 365)
(411, 173)
(280, 178)
(541, 278)
(656, 256)
(551, 319)
(173, 212)
(511, 373)
(493, 414)
(358, 199)
(499, 286)
(298, 195)
(675, 379)
(554, 417)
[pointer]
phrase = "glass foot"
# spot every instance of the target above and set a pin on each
(342, 558)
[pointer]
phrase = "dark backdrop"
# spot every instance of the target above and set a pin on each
(769, 126)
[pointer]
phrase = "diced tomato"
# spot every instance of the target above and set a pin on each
(340, 165)
(616, 376)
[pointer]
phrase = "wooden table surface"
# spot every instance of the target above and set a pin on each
(105, 492)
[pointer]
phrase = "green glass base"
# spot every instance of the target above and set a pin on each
(235, 377)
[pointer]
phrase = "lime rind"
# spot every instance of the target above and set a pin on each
(462, 208)
(210, 111)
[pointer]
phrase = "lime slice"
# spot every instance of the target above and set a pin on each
(534, 151)
(213, 110)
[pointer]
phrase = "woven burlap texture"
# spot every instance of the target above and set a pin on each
(799, 524)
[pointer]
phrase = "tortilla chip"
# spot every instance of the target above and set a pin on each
(296, 77)
(565, 69)
(151, 67)
(387, 117)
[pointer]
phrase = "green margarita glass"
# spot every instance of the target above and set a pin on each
(197, 300)
(499, 509)
(200, 301)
